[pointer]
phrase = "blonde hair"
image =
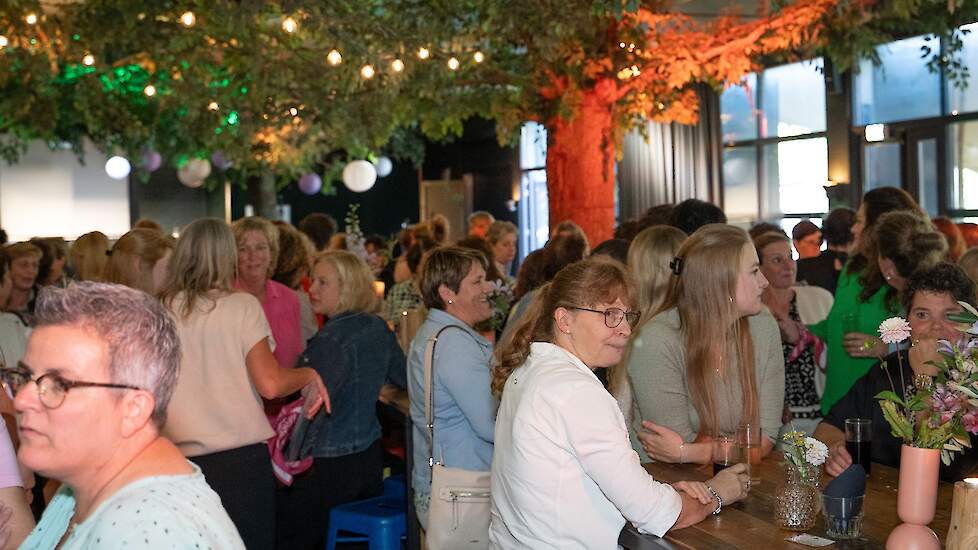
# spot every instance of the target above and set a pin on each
(203, 265)
(88, 255)
(499, 229)
(19, 250)
(704, 295)
(586, 283)
(260, 225)
(969, 263)
(648, 264)
(133, 257)
(356, 281)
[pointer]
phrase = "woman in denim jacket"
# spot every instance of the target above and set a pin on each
(454, 288)
(355, 353)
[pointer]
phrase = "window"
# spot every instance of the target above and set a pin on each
(965, 99)
(775, 159)
(964, 166)
(901, 87)
(534, 209)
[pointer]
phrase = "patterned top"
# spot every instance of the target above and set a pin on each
(404, 296)
(173, 511)
(800, 393)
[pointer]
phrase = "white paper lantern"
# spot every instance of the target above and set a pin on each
(117, 167)
(194, 172)
(359, 176)
(384, 167)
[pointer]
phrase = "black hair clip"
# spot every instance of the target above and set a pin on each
(676, 265)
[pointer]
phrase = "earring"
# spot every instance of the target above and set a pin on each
(731, 299)
(888, 277)
(451, 301)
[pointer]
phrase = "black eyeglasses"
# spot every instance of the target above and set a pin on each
(51, 388)
(613, 316)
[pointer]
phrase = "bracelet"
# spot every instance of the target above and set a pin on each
(682, 453)
(716, 495)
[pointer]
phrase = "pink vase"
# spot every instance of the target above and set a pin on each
(916, 500)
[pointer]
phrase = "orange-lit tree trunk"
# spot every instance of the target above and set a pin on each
(580, 165)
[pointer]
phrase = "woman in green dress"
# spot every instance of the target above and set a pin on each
(863, 299)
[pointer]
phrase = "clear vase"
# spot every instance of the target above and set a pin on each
(798, 499)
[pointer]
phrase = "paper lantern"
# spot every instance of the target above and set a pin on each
(117, 167)
(384, 167)
(220, 161)
(152, 161)
(194, 172)
(310, 183)
(359, 176)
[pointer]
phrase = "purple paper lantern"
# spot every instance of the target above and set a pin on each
(310, 183)
(152, 161)
(220, 161)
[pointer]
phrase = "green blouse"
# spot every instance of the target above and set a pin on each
(849, 314)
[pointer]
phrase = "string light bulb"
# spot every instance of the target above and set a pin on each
(149, 90)
(397, 65)
(423, 53)
(367, 72)
(289, 25)
(213, 106)
(88, 60)
(3, 41)
(188, 19)
(334, 57)
(478, 57)
(453, 63)
(31, 18)
(293, 111)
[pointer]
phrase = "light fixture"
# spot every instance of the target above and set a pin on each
(188, 19)
(423, 53)
(478, 57)
(117, 167)
(88, 60)
(149, 90)
(293, 111)
(334, 57)
(31, 18)
(3, 41)
(875, 132)
(367, 72)
(397, 65)
(213, 106)
(289, 25)
(453, 63)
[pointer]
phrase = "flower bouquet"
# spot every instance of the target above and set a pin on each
(500, 300)
(803, 452)
(797, 500)
(936, 414)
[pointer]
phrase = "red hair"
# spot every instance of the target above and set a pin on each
(955, 241)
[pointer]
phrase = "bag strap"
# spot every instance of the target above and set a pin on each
(429, 392)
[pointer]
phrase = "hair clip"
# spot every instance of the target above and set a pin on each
(108, 252)
(676, 265)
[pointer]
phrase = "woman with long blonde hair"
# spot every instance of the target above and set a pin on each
(88, 254)
(215, 416)
(709, 359)
(648, 264)
(140, 259)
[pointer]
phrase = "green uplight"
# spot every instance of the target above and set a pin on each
(232, 118)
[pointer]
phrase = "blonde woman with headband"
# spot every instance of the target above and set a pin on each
(710, 358)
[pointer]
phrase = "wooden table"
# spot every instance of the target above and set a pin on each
(751, 524)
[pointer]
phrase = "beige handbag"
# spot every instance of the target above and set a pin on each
(458, 516)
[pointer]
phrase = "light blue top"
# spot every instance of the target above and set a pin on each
(178, 511)
(465, 411)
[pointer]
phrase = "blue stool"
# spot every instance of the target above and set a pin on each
(395, 486)
(380, 519)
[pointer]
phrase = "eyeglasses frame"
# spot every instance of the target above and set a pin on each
(624, 315)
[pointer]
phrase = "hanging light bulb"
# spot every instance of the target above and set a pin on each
(3, 41)
(397, 65)
(289, 25)
(149, 90)
(117, 167)
(367, 72)
(423, 53)
(188, 19)
(31, 18)
(334, 57)
(478, 57)
(453, 63)
(213, 106)
(293, 111)
(88, 60)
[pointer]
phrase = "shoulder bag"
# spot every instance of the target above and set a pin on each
(458, 515)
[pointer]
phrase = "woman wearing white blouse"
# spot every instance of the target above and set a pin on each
(564, 474)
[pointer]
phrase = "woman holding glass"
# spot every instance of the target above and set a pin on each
(710, 359)
(563, 472)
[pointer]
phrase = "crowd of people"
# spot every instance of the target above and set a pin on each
(152, 383)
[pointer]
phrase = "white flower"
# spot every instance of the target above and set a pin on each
(815, 451)
(894, 330)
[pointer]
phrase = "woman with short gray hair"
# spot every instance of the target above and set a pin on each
(104, 361)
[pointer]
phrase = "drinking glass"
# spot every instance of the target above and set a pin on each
(724, 454)
(843, 516)
(850, 322)
(859, 441)
(748, 441)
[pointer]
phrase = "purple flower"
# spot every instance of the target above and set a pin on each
(945, 400)
(970, 422)
(945, 347)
